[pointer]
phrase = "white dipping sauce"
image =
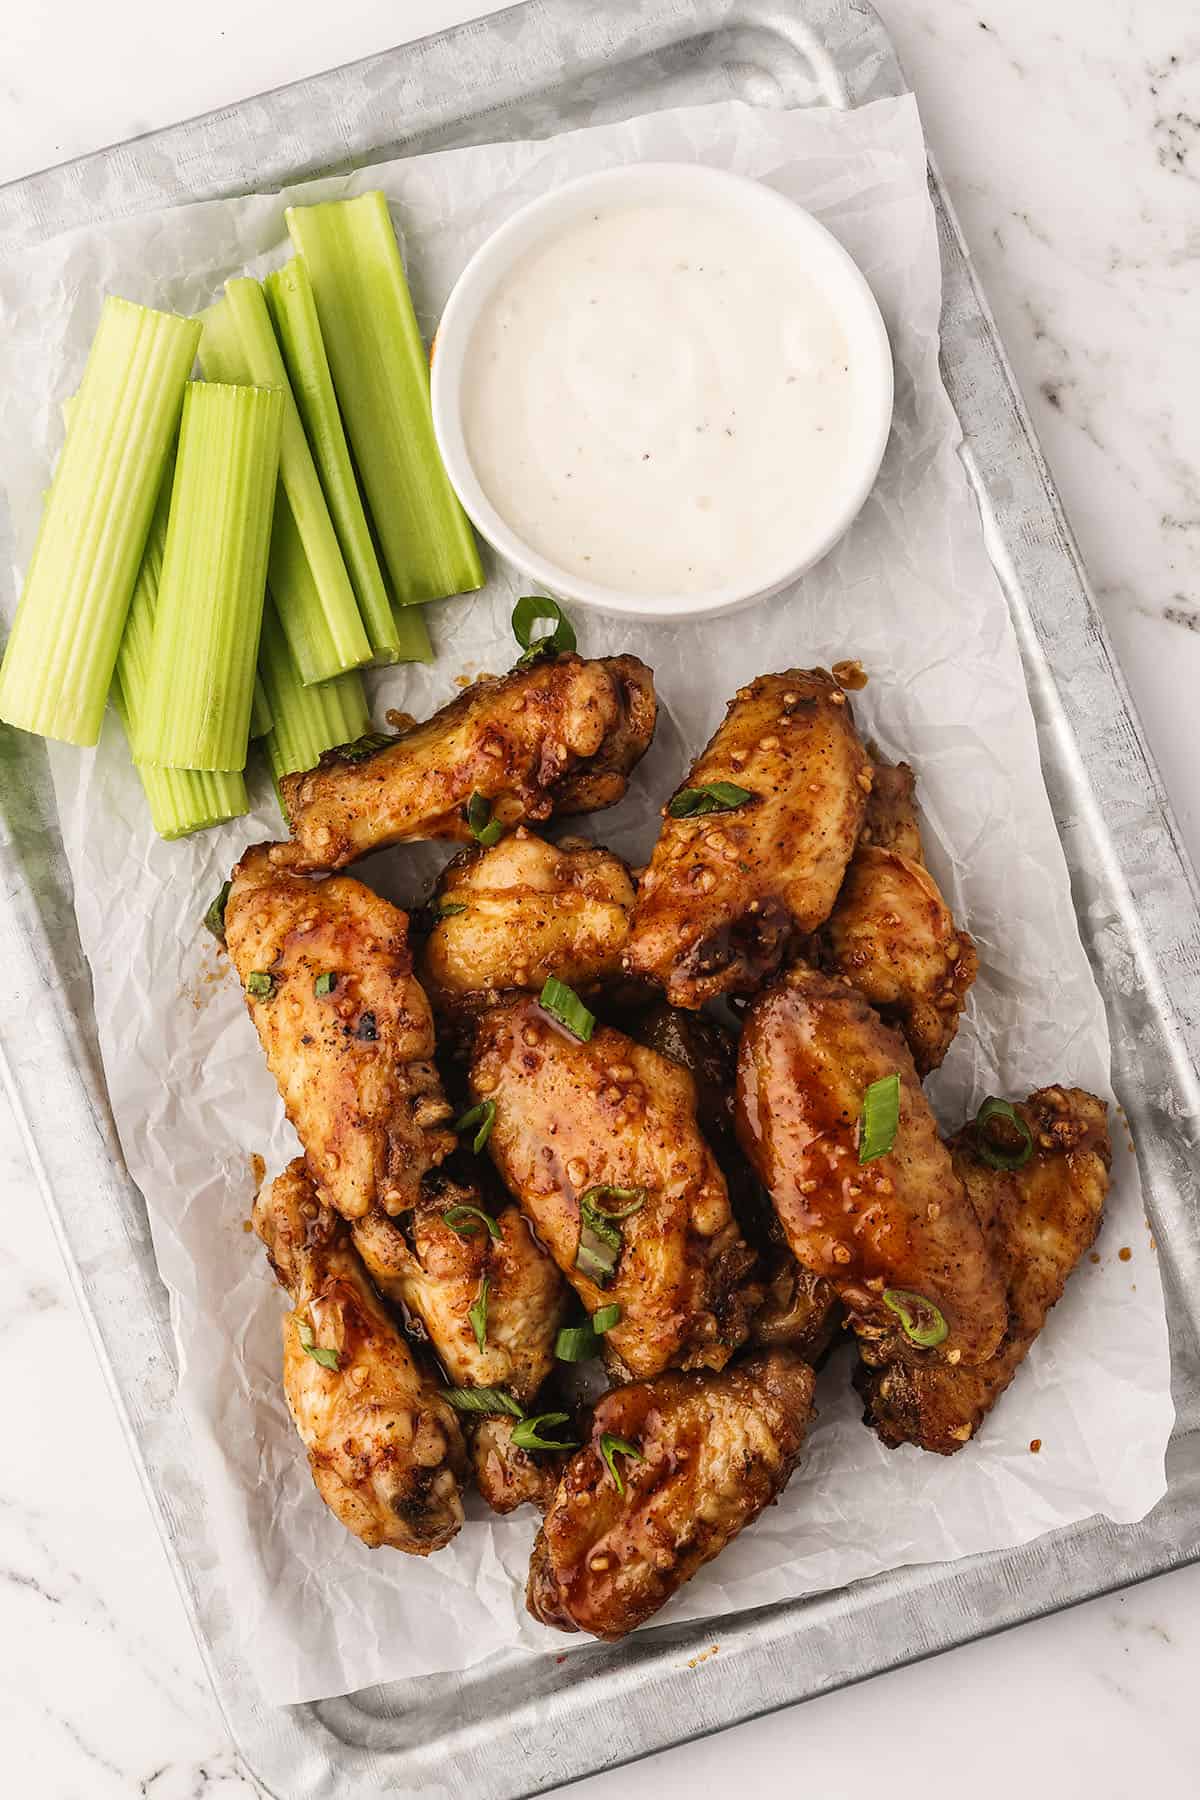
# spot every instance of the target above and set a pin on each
(659, 399)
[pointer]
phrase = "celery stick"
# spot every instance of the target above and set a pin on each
(260, 710)
(413, 635)
(321, 616)
(381, 377)
(294, 315)
(307, 720)
(63, 646)
(196, 713)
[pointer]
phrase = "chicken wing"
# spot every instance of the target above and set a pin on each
(1038, 1221)
(896, 1236)
(691, 1460)
(384, 1447)
(726, 892)
(559, 736)
(506, 1475)
(509, 916)
(891, 931)
(346, 1028)
(490, 1300)
(598, 1142)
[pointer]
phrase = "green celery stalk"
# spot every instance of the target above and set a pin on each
(320, 614)
(196, 713)
(293, 312)
(307, 720)
(260, 710)
(413, 636)
(381, 377)
(62, 650)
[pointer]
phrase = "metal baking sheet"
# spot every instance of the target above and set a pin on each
(517, 1725)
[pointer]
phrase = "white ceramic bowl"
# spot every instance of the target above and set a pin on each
(828, 265)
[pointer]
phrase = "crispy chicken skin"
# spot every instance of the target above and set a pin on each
(1038, 1221)
(713, 1451)
(523, 742)
(437, 1273)
(385, 1449)
(810, 1049)
(522, 910)
(574, 1116)
(354, 1064)
(891, 931)
(725, 893)
(508, 1476)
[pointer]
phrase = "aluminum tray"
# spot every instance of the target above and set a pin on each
(518, 1725)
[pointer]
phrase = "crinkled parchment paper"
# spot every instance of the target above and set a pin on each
(910, 592)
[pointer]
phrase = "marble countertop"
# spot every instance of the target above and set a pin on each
(1069, 137)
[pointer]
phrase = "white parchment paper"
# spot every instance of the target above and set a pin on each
(910, 592)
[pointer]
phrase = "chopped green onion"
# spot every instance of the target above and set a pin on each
(307, 720)
(714, 796)
(325, 983)
(293, 311)
(484, 1116)
(62, 650)
(564, 1004)
(921, 1319)
(610, 1448)
(605, 1318)
(381, 378)
(479, 1312)
(576, 1343)
(196, 713)
(483, 828)
(880, 1119)
(483, 1400)
(462, 1220)
(260, 984)
(600, 1241)
(214, 918)
(530, 608)
(448, 909)
(1002, 1138)
(328, 1359)
(527, 1435)
(307, 576)
(369, 744)
(261, 716)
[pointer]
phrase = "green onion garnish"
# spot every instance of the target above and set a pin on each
(600, 1240)
(484, 1116)
(462, 1220)
(363, 747)
(260, 984)
(328, 1359)
(610, 1448)
(214, 918)
(576, 1343)
(446, 909)
(528, 610)
(564, 1004)
(483, 1400)
(527, 1436)
(605, 1318)
(1002, 1138)
(483, 828)
(923, 1323)
(714, 796)
(880, 1118)
(325, 984)
(478, 1313)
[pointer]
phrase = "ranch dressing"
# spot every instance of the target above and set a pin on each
(660, 399)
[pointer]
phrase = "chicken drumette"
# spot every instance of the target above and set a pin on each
(558, 737)
(599, 1143)
(891, 931)
(673, 1469)
(1037, 1220)
(726, 891)
(385, 1448)
(346, 1028)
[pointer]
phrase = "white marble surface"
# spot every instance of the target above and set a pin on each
(1069, 134)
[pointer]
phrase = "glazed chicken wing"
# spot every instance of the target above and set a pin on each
(694, 1459)
(346, 1028)
(490, 1300)
(385, 1449)
(1038, 1221)
(896, 1236)
(613, 1125)
(506, 1475)
(559, 736)
(727, 891)
(891, 931)
(509, 916)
